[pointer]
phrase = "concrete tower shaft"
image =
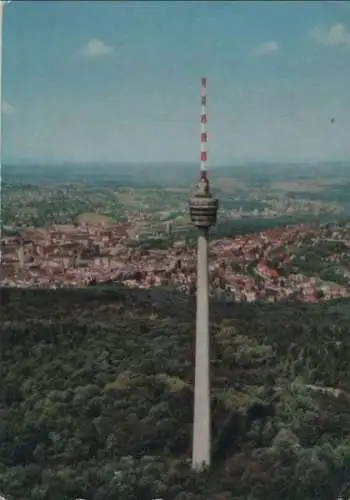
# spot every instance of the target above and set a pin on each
(201, 446)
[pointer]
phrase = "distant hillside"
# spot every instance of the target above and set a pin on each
(96, 397)
(167, 174)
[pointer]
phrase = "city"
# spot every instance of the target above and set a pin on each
(257, 266)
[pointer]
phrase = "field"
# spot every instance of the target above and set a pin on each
(91, 218)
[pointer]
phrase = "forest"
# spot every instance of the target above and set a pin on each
(97, 389)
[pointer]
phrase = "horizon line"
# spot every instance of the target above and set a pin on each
(229, 163)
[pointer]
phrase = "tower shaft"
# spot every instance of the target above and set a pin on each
(202, 421)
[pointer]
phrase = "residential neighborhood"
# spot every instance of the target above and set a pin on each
(250, 267)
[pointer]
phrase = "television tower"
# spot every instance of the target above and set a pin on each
(203, 210)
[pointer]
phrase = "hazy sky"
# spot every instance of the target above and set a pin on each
(119, 81)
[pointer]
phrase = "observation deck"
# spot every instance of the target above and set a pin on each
(203, 205)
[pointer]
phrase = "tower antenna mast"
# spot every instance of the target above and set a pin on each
(203, 212)
(204, 137)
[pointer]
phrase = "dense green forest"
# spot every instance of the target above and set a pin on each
(96, 397)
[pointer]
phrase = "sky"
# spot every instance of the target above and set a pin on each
(120, 81)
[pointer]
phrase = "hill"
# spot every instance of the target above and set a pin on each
(96, 397)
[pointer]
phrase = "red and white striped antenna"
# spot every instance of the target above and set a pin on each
(204, 136)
